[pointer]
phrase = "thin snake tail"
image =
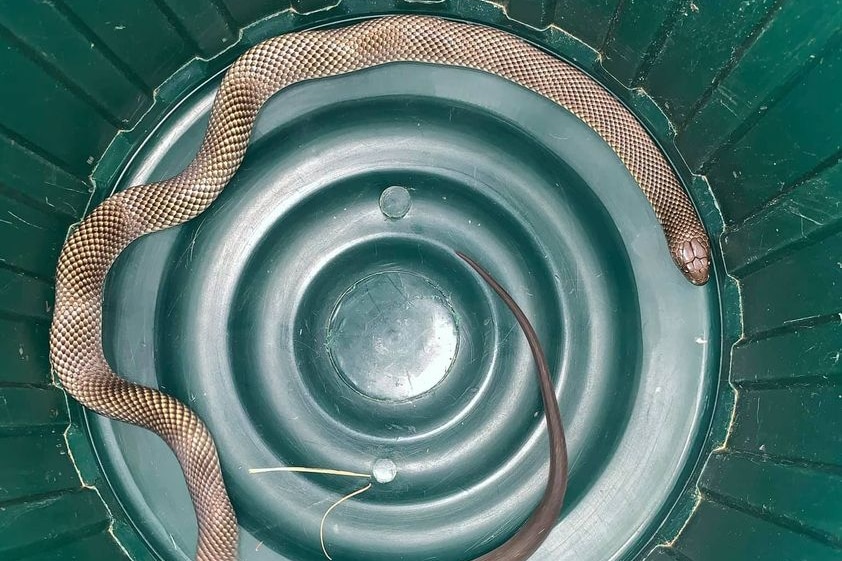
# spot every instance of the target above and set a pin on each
(536, 529)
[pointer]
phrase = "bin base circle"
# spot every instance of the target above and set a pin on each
(316, 315)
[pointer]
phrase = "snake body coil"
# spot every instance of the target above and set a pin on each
(76, 350)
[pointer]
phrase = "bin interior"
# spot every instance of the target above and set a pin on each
(704, 423)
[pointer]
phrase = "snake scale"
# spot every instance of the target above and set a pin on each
(76, 352)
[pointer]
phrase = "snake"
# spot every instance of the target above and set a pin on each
(76, 352)
(532, 533)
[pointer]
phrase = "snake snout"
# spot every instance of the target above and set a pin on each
(693, 257)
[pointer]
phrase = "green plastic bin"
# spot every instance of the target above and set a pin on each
(315, 314)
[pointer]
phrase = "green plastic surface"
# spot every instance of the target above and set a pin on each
(741, 95)
(346, 336)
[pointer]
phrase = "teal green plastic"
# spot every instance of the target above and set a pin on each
(343, 336)
(704, 423)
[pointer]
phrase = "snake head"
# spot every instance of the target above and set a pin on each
(693, 258)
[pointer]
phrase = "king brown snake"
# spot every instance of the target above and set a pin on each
(76, 352)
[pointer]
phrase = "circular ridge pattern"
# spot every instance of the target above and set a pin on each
(245, 294)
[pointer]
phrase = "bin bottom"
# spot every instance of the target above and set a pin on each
(316, 315)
